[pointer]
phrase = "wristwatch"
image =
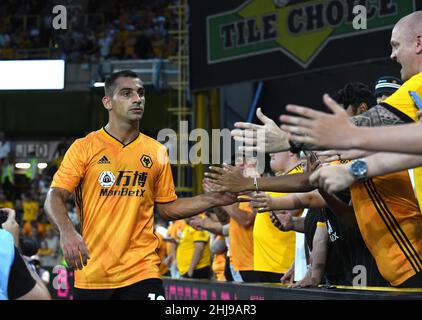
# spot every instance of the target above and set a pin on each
(359, 169)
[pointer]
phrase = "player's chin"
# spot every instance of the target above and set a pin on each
(136, 116)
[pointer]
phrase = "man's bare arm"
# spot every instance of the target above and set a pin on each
(375, 117)
(336, 178)
(264, 202)
(73, 246)
(55, 207)
(243, 217)
(231, 179)
(186, 207)
(400, 138)
(342, 210)
(197, 254)
(207, 224)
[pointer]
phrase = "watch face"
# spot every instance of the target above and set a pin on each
(359, 169)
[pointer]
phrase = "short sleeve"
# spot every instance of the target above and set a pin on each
(201, 236)
(72, 168)
(401, 100)
(164, 190)
(321, 224)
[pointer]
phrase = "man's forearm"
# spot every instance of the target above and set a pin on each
(342, 210)
(383, 163)
(55, 207)
(221, 214)
(319, 253)
(197, 254)
(290, 183)
(187, 207)
(298, 201)
(213, 227)
(242, 217)
(400, 138)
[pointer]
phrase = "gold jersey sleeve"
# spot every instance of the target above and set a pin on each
(72, 168)
(401, 100)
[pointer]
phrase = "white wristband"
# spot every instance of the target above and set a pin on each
(255, 183)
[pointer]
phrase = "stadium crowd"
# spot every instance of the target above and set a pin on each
(96, 30)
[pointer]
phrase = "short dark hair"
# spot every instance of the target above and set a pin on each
(354, 93)
(110, 82)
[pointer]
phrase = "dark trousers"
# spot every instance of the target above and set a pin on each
(149, 289)
(227, 271)
(249, 276)
(202, 273)
(270, 277)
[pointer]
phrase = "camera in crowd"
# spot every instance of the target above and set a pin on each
(3, 217)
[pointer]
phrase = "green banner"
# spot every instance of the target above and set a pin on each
(299, 30)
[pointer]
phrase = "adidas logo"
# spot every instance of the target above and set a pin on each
(103, 160)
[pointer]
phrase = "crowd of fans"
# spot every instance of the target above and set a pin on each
(96, 30)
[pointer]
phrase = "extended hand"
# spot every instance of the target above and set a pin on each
(307, 281)
(261, 138)
(227, 178)
(197, 223)
(261, 201)
(327, 130)
(332, 179)
(74, 249)
(288, 277)
(226, 198)
(282, 221)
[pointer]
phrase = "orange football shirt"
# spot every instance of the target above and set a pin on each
(116, 186)
(241, 242)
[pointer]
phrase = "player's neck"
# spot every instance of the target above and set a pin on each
(124, 132)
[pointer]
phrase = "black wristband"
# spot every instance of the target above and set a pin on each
(295, 147)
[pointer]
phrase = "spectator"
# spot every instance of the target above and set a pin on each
(174, 233)
(385, 87)
(219, 251)
(30, 208)
(274, 250)
(241, 224)
(193, 253)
